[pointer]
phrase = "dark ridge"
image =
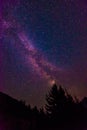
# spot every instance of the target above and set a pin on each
(11, 106)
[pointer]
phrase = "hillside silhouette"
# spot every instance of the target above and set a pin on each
(61, 112)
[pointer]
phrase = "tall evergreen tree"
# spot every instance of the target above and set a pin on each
(59, 103)
(56, 100)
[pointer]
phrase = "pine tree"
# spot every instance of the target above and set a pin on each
(56, 100)
(51, 99)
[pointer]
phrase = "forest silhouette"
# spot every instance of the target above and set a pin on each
(61, 112)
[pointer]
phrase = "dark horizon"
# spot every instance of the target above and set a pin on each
(61, 112)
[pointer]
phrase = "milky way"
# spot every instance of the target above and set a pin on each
(33, 56)
(42, 43)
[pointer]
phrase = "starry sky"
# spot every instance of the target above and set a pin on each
(43, 42)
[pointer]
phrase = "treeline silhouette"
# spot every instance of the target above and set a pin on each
(61, 112)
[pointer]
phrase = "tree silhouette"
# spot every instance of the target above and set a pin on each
(56, 100)
(62, 112)
(60, 106)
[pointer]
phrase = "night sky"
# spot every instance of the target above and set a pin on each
(41, 43)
